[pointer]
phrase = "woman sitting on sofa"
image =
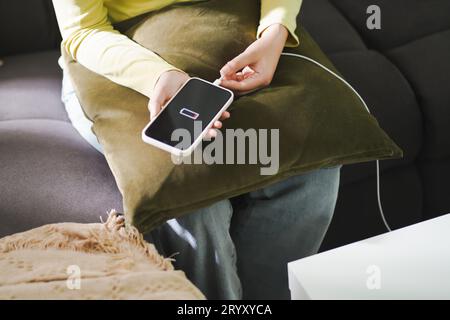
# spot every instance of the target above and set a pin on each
(242, 245)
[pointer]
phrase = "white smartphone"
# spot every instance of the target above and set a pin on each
(194, 108)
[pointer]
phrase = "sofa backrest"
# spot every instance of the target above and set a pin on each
(27, 26)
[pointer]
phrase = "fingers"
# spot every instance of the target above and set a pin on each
(225, 115)
(166, 86)
(217, 125)
(155, 104)
(154, 108)
(246, 85)
(212, 133)
(235, 65)
(247, 72)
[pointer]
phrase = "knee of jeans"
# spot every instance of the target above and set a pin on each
(328, 182)
(329, 178)
(334, 167)
(218, 213)
(318, 191)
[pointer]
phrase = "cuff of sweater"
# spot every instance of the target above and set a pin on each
(278, 16)
(148, 83)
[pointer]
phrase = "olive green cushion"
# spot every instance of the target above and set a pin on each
(322, 123)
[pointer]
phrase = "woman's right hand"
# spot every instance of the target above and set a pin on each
(167, 85)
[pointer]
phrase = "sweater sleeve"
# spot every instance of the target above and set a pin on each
(90, 39)
(283, 12)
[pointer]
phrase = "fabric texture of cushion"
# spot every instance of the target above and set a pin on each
(321, 122)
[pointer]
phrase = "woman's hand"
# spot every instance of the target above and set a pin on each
(255, 67)
(167, 85)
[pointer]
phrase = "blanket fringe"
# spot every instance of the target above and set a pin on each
(112, 236)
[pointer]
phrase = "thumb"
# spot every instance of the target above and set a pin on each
(154, 106)
(238, 63)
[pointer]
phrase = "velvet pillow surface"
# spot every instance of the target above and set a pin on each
(319, 120)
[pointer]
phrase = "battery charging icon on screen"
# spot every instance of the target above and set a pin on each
(189, 113)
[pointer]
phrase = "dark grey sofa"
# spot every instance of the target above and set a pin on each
(49, 174)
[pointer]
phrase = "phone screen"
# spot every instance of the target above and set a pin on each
(196, 101)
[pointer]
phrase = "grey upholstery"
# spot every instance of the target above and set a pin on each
(403, 72)
(31, 87)
(49, 174)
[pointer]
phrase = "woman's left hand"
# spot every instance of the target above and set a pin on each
(254, 68)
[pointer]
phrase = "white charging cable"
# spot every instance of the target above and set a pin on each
(380, 207)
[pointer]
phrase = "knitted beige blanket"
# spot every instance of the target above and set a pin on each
(88, 261)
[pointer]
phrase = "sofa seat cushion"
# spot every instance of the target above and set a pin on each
(30, 87)
(48, 173)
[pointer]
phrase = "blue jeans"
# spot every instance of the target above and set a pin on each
(239, 248)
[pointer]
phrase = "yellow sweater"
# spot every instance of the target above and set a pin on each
(88, 36)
